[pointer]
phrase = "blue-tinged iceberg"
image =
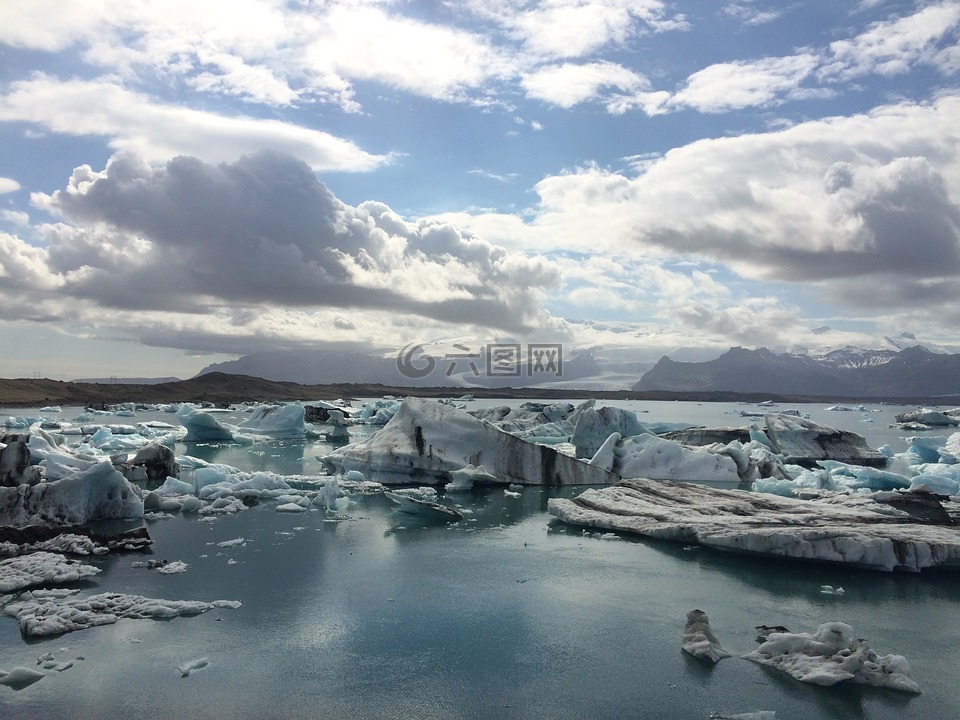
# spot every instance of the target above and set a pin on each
(98, 493)
(426, 441)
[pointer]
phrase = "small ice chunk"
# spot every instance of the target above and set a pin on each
(290, 507)
(20, 677)
(185, 668)
(699, 640)
(177, 566)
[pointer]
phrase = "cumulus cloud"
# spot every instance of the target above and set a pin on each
(727, 86)
(8, 185)
(193, 238)
(158, 131)
(892, 47)
(843, 203)
(568, 84)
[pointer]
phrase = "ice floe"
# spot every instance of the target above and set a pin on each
(832, 655)
(408, 503)
(53, 616)
(20, 677)
(41, 568)
(851, 529)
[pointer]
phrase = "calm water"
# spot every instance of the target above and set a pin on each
(506, 615)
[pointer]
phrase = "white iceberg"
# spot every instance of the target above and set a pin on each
(850, 529)
(656, 458)
(699, 640)
(426, 440)
(54, 616)
(831, 655)
(39, 568)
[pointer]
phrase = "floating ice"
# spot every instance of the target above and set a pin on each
(54, 617)
(927, 417)
(98, 493)
(189, 666)
(20, 677)
(427, 440)
(852, 529)
(833, 655)
(282, 421)
(465, 478)
(203, 427)
(41, 568)
(290, 507)
(423, 508)
(656, 458)
(594, 426)
(699, 640)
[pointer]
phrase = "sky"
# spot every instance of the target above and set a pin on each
(184, 183)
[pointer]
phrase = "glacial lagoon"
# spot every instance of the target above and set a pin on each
(507, 614)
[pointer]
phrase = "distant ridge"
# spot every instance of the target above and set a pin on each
(226, 389)
(850, 372)
(127, 380)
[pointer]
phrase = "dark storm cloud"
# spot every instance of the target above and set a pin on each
(190, 236)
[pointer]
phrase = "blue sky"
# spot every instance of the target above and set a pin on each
(182, 183)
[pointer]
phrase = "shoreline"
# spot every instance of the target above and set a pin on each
(226, 389)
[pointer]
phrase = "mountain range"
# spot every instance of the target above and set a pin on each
(847, 372)
(850, 372)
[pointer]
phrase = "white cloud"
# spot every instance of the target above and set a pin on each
(866, 208)
(427, 59)
(894, 46)
(261, 232)
(8, 185)
(727, 86)
(569, 84)
(748, 13)
(158, 131)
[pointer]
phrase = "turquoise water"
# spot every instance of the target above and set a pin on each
(506, 615)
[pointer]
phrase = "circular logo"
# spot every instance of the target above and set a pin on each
(406, 366)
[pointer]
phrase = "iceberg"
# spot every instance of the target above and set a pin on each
(41, 568)
(594, 426)
(926, 416)
(97, 493)
(699, 640)
(203, 427)
(649, 456)
(20, 677)
(423, 508)
(799, 441)
(425, 441)
(832, 655)
(847, 529)
(53, 616)
(283, 421)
